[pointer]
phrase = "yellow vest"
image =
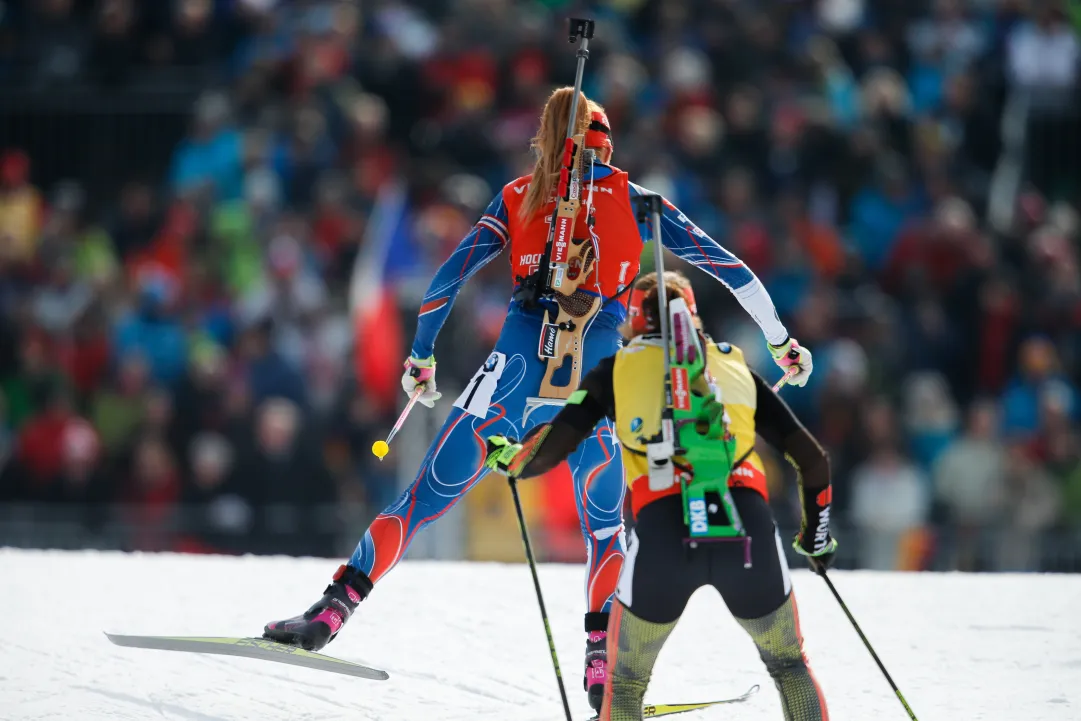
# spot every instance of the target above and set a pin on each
(638, 386)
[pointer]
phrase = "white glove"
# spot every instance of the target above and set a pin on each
(420, 373)
(790, 354)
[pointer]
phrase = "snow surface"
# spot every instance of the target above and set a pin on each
(464, 641)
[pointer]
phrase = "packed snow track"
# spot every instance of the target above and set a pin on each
(464, 642)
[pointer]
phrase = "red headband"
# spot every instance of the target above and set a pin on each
(636, 313)
(599, 134)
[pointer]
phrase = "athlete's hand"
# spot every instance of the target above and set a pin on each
(502, 455)
(420, 373)
(814, 540)
(790, 354)
(511, 458)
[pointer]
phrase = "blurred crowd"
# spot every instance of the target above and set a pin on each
(905, 178)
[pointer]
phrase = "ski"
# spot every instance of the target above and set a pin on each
(258, 648)
(670, 709)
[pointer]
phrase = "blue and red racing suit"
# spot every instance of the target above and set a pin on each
(500, 398)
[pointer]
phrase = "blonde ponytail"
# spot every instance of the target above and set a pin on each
(548, 145)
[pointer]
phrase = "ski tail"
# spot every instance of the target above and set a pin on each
(671, 709)
(259, 648)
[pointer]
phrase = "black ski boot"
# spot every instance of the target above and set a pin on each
(596, 658)
(318, 626)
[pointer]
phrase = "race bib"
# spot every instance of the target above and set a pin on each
(477, 395)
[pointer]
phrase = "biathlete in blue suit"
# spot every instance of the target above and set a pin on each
(508, 395)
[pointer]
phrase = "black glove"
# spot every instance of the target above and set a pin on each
(814, 540)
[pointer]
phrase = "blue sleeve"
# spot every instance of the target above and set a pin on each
(693, 245)
(487, 240)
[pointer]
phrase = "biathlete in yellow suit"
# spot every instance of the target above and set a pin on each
(664, 566)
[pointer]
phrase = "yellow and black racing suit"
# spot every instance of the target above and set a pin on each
(662, 570)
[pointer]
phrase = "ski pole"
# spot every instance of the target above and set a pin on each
(540, 598)
(867, 643)
(793, 370)
(381, 448)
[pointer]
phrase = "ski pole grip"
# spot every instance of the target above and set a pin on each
(785, 378)
(581, 28)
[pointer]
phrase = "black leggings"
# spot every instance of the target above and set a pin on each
(661, 571)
